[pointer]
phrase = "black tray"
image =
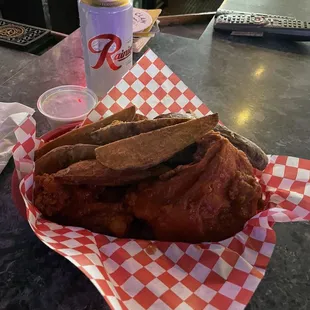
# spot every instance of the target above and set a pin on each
(20, 36)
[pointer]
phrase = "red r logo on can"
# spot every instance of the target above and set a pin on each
(105, 53)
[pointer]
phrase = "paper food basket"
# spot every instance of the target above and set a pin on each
(221, 275)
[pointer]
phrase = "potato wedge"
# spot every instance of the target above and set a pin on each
(82, 134)
(63, 156)
(255, 154)
(139, 117)
(119, 131)
(92, 172)
(150, 149)
(176, 115)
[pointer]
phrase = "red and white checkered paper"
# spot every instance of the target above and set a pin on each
(137, 274)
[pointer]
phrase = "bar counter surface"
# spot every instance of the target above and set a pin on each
(260, 88)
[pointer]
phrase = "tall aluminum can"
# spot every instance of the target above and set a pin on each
(107, 32)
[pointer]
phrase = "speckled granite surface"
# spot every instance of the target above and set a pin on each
(260, 90)
(11, 62)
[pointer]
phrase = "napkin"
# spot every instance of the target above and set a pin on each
(12, 114)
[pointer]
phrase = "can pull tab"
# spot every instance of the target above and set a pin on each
(106, 3)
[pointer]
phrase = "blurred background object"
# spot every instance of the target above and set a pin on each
(149, 4)
(176, 7)
(62, 16)
(28, 12)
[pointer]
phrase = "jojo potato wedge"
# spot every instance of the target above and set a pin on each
(63, 156)
(255, 154)
(92, 172)
(123, 130)
(150, 149)
(82, 135)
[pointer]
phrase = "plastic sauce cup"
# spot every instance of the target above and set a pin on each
(66, 104)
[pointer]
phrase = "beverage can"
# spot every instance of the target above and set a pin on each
(107, 34)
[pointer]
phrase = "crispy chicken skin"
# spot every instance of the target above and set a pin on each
(50, 196)
(96, 208)
(208, 200)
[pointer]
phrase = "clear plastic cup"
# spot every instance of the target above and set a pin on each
(66, 104)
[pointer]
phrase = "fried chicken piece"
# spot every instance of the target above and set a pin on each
(208, 200)
(93, 207)
(99, 217)
(50, 197)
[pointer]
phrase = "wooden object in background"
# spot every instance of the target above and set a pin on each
(185, 19)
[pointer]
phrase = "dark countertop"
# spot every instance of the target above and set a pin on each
(11, 62)
(261, 89)
(299, 9)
